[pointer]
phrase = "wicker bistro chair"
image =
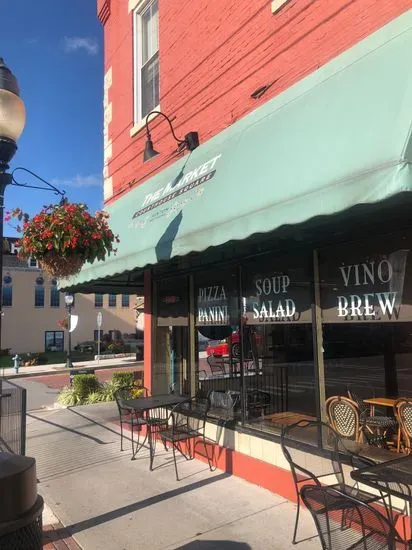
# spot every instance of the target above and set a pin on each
(377, 428)
(403, 414)
(330, 465)
(346, 523)
(186, 423)
(128, 416)
(344, 417)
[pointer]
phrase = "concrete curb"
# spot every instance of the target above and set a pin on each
(64, 370)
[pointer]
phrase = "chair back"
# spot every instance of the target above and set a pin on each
(403, 413)
(321, 436)
(344, 522)
(344, 416)
(120, 395)
(190, 413)
(358, 394)
(216, 364)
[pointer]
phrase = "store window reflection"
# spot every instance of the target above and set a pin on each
(278, 343)
(217, 350)
(171, 371)
(366, 299)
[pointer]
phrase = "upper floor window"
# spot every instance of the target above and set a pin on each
(146, 55)
(32, 262)
(112, 300)
(125, 300)
(98, 300)
(39, 292)
(54, 294)
(7, 291)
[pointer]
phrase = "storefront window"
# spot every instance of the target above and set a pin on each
(171, 372)
(366, 300)
(217, 336)
(278, 342)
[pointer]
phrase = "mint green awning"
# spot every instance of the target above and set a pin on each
(338, 138)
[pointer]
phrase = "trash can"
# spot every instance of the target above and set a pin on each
(20, 506)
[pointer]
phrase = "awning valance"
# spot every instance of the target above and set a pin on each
(338, 138)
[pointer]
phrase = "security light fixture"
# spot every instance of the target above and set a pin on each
(190, 142)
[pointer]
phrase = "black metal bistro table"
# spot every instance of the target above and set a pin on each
(393, 477)
(145, 404)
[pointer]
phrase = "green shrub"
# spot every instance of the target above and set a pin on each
(122, 379)
(84, 385)
(69, 397)
(107, 390)
(95, 397)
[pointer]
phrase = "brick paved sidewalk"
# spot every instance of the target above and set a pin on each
(55, 535)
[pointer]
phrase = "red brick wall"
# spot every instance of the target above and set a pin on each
(214, 54)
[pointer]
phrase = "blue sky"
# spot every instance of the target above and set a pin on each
(55, 49)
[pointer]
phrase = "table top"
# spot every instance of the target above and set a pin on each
(154, 402)
(383, 401)
(393, 476)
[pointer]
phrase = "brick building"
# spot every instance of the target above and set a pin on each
(275, 255)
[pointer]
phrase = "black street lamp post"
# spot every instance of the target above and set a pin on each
(12, 121)
(69, 302)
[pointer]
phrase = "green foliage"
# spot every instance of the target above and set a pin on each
(69, 397)
(4, 352)
(85, 384)
(116, 347)
(94, 397)
(122, 379)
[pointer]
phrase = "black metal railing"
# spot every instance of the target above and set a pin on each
(13, 409)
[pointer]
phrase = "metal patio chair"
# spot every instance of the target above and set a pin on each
(376, 428)
(216, 364)
(186, 424)
(329, 465)
(346, 523)
(127, 415)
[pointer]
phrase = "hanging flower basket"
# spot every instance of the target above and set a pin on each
(63, 323)
(63, 237)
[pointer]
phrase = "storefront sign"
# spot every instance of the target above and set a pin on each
(212, 306)
(174, 190)
(277, 297)
(370, 289)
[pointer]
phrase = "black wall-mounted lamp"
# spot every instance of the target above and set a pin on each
(190, 142)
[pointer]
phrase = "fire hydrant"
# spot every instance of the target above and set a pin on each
(16, 360)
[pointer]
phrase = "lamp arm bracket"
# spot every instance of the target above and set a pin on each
(179, 141)
(50, 187)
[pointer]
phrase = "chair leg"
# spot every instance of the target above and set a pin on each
(132, 428)
(174, 460)
(295, 531)
(209, 461)
(121, 435)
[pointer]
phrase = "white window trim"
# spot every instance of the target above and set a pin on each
(138, 123)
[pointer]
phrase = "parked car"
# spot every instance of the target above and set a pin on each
(86, 347)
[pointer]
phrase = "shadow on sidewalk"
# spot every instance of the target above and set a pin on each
(71, 430)
(130, 508)
(214, 545)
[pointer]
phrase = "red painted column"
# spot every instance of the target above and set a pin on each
(148, 330)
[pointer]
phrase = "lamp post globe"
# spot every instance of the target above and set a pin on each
(12, 115)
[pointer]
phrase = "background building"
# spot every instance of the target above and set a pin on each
(33, 307)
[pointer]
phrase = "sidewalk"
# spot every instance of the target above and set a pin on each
(105, 500)
(39, 370)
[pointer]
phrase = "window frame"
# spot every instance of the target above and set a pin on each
(54, 292)
(37, 289)
(125, 300)
(110, 301)
(138, 118)
(99, 305)
(8, 287)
